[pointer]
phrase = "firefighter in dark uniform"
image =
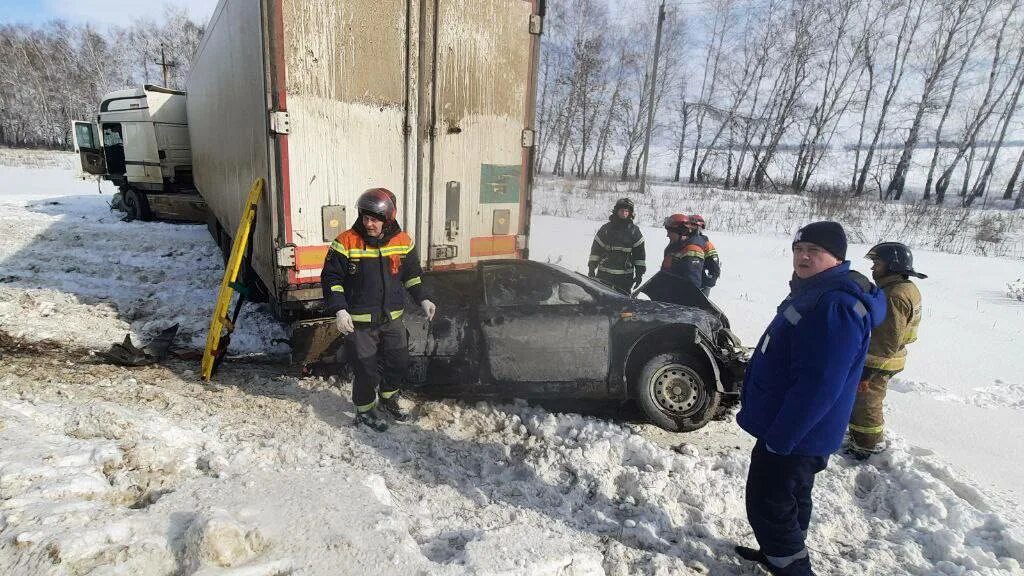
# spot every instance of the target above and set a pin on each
(618, 256)
(367, 270)
(690, 254)
(892, 267)
(712, 264)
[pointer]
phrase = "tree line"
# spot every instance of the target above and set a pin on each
(54, 74)
(790, 94)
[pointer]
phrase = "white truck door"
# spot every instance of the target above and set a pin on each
(90, 153)
(479, 168)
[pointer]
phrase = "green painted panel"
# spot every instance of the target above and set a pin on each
(499, 183)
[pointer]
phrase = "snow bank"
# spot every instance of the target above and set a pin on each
(72, 271)
(483, 489)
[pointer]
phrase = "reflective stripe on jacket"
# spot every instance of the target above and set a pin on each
(693, 257)
(618, 248)
(802, 379)
(368, 276)
(888, 349)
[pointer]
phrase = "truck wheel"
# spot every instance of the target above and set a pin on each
(135, 205)
(677, 392)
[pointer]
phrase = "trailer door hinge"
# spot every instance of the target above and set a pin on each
(279, 123)
(528, 138)
(286, 256)
(536, 24)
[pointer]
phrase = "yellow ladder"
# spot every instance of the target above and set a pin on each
(220, 325)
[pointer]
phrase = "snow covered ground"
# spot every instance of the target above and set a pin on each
(962, 394)
(107, 470)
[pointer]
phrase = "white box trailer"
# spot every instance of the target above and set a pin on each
(432, 99)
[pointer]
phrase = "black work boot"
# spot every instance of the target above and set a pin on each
(372, 419)
(752, 554)
(798, 567)
(390, 405)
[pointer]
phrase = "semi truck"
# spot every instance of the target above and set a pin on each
(432, 99)
(139, 141)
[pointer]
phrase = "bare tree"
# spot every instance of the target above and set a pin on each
(751, 70)
(984, 109)
(968, 52)
(1012, 182)
(838, 85)
(904, 40)
(953, 17)
(719, 28)
(869, 67)
(683, 110)
(633, 105)
(58, 72)
(981, 186)
(804, 20)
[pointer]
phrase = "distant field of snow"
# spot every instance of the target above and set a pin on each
(836, 169)
(108, 470)
(941, 228)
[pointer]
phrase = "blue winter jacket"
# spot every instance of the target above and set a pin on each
(802, 379)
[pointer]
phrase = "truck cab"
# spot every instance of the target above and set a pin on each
(139, 141)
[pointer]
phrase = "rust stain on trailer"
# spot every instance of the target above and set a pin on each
(338, 49)
(480, 71)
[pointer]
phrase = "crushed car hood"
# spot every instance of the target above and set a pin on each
(672, 313)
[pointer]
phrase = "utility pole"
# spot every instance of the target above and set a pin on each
(165, 65)
(650, 105)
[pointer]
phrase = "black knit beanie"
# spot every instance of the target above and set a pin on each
(827, 234)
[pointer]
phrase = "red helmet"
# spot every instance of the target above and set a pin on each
(698, 221)
(678, 223)
(378, 203)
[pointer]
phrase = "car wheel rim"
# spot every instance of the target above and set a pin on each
(676, 389)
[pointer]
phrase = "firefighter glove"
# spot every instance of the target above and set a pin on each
(428, 309)
(592, 272)
(344, 322)
(638, 280)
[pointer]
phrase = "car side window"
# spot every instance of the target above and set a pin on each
(521, 285)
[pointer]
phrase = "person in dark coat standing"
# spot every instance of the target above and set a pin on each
(799, 391)
(366, 273)
(892, 267)
(617, 255)
(712, 263)
(689, 254)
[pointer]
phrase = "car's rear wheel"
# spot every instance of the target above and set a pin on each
(677, 392)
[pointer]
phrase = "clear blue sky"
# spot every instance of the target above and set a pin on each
(99, 12)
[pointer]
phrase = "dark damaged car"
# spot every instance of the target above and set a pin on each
(522, 329)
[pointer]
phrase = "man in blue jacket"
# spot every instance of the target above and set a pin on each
(799, 391)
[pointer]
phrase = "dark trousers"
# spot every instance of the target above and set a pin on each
(621, 282)
(779, 498)
(379, 356)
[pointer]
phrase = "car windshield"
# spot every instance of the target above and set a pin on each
(589, 282)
